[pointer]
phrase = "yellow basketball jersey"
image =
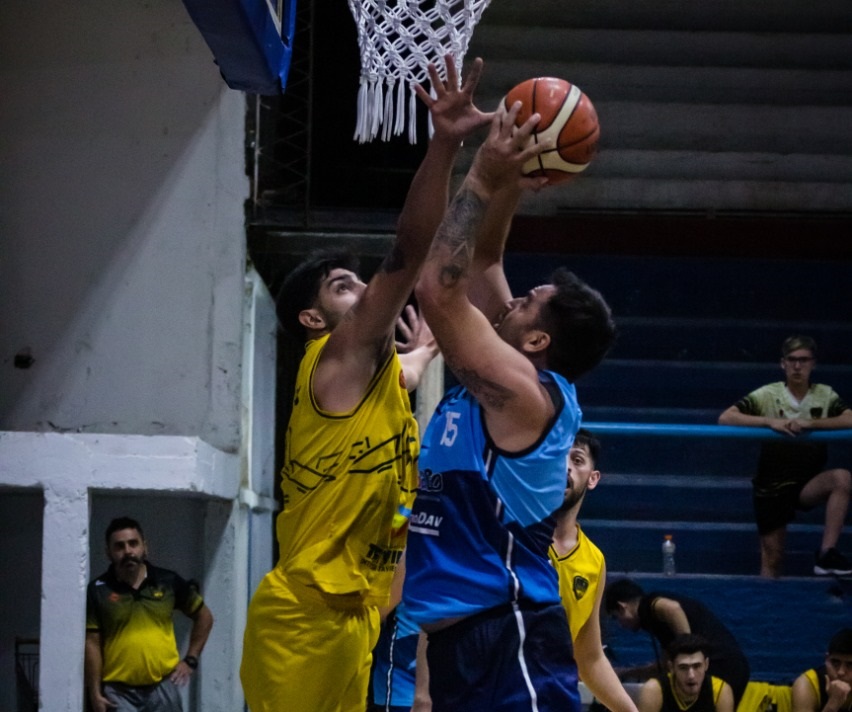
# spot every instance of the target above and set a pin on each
(579, 577)
(348, 481)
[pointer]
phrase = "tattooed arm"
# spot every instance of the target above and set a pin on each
(499, 373)
(362, 341)
(489, 289)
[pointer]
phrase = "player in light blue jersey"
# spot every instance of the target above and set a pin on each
(495, 455)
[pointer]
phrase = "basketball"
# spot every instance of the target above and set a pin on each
(567, 117)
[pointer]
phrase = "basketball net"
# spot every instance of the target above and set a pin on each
(396, 40)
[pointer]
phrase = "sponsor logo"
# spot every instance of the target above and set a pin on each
(380, 559)
(426, 520)
(431, 481)
(425, 523)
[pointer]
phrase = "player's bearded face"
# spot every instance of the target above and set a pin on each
(127, 549)
(574, 492)
(580, 468)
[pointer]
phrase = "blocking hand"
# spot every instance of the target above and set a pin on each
(454, 115)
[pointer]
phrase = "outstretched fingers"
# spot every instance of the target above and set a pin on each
(454, 115)
(474, 73)
(440, 88)
(452, 74)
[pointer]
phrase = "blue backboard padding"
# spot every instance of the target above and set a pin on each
(244, 38)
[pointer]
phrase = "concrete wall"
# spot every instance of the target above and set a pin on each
(121, 221)
(126, 318)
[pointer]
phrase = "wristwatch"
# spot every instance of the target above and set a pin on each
(191, 661)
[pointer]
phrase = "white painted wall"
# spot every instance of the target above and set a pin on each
(123, 275)
(121, 219)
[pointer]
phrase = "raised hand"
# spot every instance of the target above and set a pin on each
(454, 115)
(497, 164)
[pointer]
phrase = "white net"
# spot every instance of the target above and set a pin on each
(397, 39)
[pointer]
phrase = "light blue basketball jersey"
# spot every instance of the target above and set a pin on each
(483, 519)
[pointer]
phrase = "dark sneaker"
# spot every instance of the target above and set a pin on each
(832, 563)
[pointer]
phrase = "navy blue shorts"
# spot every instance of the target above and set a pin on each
(507, 659)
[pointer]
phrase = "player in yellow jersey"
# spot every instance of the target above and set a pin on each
(582, 576)
(827, 688)
(350, 467)
(687, 687)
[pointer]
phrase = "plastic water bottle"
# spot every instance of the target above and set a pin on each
(668, 555)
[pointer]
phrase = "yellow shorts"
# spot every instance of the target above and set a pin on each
(304, 651)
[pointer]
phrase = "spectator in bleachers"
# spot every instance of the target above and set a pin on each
(687, 687)
(791, 475)
(667, 615)
(829, 687)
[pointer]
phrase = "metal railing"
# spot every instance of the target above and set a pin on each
(711, 431)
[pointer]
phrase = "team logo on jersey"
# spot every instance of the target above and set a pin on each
(580, 586)
(158, 594)
(114, 597)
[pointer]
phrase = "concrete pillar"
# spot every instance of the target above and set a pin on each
(224, 593)
(65, 563)
(429, 392)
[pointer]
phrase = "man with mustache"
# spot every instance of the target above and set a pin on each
(132, 659)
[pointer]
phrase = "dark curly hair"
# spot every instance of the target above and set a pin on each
(841, 642)
(621, 591)
(584, 438)
(686, 644)
(580, 326)
(300, 287)
(120, 524)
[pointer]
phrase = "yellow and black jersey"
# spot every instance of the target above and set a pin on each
(348, 483)
(136, 628)
(579, 578)
(706, 701)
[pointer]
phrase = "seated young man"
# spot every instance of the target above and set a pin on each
(687, 687)
(827, 688)
(665, 616)
(791, 473)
